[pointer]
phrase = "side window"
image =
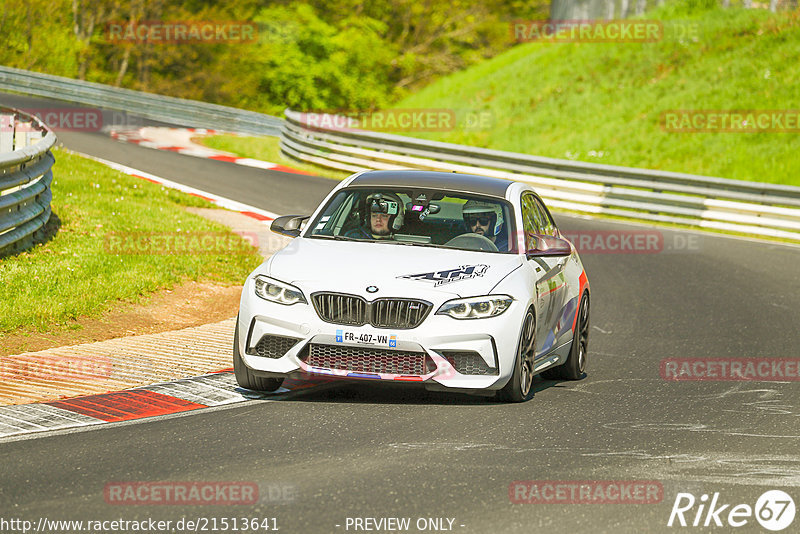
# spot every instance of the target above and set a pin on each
(335, 215)
(531, 219)
(339, 219)
(548, 226)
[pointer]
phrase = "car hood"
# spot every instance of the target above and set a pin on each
(396, 270)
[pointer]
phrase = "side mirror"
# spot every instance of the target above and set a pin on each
(290, 225)
(547, 245)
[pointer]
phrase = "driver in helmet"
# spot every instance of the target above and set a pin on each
(383, 216)
(486, 219)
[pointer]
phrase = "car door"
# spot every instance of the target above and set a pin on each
(549, 273)
(557, 285)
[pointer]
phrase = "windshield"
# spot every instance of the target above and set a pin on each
(424, 218)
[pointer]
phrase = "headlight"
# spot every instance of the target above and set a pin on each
(276, 291)
(476, 307)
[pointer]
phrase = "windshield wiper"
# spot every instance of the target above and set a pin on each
(413, 243)
(341, 238)
(366, 240)
(334, 237)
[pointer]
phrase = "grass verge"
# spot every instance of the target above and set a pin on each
(77, 273)
(603, 102)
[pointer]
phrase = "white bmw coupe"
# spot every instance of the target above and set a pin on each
(457, 282)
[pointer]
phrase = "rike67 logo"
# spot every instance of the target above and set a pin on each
(774, 510)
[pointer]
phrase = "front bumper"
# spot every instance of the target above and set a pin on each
(473, 354)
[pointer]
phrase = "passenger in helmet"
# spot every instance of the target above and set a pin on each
(485, 218)
(383, 215)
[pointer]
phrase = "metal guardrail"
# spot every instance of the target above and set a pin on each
(190, 113)
(750, 207)
(765, 210)
(25, 177)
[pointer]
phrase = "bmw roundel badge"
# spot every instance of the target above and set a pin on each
(372, 289)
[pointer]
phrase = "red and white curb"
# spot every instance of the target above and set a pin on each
(167, 398)
(160, 399)
(179, 140)
(233, 205)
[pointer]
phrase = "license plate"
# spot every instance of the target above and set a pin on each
(371, 339)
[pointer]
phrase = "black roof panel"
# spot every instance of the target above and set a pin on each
(465, 183)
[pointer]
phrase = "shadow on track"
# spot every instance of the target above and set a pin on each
(376, 392)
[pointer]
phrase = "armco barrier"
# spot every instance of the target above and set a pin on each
(25, 176)
(761, 209)
(189, 113)
(764, 210)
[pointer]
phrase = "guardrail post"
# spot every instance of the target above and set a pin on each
(21, 130)
(6, 132)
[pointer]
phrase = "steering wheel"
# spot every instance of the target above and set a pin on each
(472, 241)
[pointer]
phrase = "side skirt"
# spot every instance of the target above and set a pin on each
(552, 358)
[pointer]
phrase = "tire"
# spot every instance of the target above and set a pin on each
(244, 377)
(575, 366)
(518, 388)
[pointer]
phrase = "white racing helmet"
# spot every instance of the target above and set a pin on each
(388, 203)
(477, 208)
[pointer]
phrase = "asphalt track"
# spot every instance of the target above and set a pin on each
(357, 451)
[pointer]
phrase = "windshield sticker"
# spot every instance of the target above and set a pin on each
(447, 276)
